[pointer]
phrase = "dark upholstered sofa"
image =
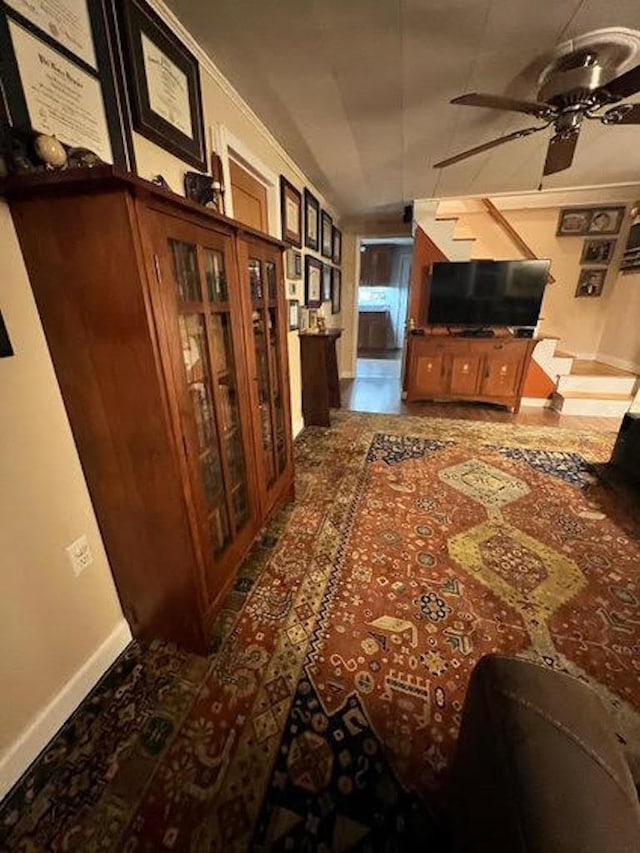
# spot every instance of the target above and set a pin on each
(539, 768)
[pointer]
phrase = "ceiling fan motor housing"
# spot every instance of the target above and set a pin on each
(573, 81)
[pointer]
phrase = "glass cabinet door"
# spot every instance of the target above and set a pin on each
(263, 286)
(209, 364)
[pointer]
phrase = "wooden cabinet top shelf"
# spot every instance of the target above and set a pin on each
(101, 178)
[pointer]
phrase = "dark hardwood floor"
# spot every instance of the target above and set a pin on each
(384, 396)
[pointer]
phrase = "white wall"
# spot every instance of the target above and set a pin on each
(59, 633)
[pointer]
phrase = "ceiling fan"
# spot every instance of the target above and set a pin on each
(574, 88)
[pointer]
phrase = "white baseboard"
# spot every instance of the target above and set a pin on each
(297, 426)
(40, 731)
(620, 363)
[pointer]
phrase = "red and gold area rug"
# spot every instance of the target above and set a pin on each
(328, 712)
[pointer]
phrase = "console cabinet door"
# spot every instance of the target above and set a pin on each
(465, 375)
(429, 374)
(501, 374)
(202, 321)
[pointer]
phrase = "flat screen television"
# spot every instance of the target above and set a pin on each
(487, 293)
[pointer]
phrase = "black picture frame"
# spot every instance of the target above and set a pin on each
(591, 282)
(606, 220)
(598, 251)
(136, 19)
(336, 291)
(336, 242)
(109, 74)
(311, 221)
(326, 235)
(289, 193)
(312, 282)
(326, 282)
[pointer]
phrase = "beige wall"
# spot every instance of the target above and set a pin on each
(51, 622)
(620, 340)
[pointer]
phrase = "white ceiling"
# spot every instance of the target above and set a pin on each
(357, 91)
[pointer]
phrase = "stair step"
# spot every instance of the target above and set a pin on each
(588, 405)
(593, 395)
(599, 385)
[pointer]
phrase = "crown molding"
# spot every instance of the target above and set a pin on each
(209, 66)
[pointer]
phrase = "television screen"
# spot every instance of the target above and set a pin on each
(487, 293)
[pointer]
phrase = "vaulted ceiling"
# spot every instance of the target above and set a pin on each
(358, 91)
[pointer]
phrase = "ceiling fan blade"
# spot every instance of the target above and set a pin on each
(622, 114)
(625, 85)
(498, 102)
(560, 152)
(518, 134)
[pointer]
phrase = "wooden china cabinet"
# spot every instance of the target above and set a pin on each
(167, 328)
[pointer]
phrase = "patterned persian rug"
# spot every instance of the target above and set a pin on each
(327, 714)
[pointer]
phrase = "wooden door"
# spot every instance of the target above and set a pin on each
(501, 374)
(465, 375)
(203, 327)
(249, 198)
(266, 341)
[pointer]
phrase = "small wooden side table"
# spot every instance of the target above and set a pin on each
(320, 382)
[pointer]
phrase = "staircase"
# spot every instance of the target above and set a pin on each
(572, 387)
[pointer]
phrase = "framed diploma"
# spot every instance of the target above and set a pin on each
(164, 84)
(291, 211)
(60, 76)
(312, 282)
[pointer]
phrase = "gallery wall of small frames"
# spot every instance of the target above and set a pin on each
(600, 226)
(314, 258)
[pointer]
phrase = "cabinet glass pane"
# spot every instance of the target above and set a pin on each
(271, 280)
(196, 364)
(216, 276)
(185, 267)
(231, 433)
(255, 280)
(278, 403)
(261, 347)
(195, 356)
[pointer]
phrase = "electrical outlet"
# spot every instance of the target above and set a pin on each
(79, 554)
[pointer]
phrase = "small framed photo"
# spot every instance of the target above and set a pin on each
(312, 282)
(606, 220)
(313, 320)
(326, 235)
(291, 212)
(311, 221)
(326, 283)
(303, 319)
(597, 252)
(292, 290)
(294, 308)
(573, 222)
(336, 291)
(337, 246)
(294, 264)
(591, 282)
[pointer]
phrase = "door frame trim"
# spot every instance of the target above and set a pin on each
(230, 147)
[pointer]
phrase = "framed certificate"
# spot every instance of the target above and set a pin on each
(60, 76)
(164, 84)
